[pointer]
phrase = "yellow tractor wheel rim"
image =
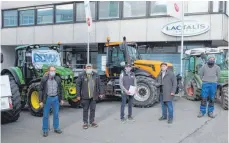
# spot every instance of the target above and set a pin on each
(35, 100)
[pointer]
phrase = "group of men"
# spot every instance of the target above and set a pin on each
(90, 89)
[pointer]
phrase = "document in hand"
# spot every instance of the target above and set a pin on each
(132, 90)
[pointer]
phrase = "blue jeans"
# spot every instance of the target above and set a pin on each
(207, 92)
(166, 105)
(54, 102)
(123, 104)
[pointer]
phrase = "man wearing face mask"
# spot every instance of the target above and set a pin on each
(209, 73)
(168, 84)
(50, 94)
(89, 88)
(127, 79)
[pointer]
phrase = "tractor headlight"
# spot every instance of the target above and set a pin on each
(62, 77)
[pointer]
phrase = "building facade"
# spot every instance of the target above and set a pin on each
(144, 22)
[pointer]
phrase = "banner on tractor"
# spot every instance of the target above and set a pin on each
(45, 57)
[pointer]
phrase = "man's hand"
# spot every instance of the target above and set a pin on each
(78, 97)
(41, 104)
(62, 102)
(172, 94)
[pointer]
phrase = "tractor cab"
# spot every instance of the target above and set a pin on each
(119, 53)
(31, 58)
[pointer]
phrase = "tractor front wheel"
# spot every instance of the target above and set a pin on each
(224, 97)
(74, 103)
(33, 100)
(191, 90)
(14, 114)
(147, 92)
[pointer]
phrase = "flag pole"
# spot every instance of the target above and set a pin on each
(88, 41)
(182, 40)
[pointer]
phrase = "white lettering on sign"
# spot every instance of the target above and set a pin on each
(191, 28)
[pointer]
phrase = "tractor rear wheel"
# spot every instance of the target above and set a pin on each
(14, 114)
(191, 90)
(33, 100)
(74, 103)
(224, 97)
(147, 92)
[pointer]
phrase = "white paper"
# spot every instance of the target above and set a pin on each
(132, 90)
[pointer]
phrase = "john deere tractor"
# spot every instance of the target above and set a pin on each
(31, 63)
(146, 72)
(195, 59)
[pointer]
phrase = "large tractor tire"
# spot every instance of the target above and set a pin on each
(33, 100)
(224, 97)
(74, 103)
(191, 91)
(14, 114)
(147, 92)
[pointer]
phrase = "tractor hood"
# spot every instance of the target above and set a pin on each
(62, 71)
(149, 62)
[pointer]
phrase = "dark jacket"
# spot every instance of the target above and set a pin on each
(82, 86)
(168, 85)
(125, 81)
(44, 88)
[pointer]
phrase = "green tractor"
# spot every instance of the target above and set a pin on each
(31, 64)
(194, 60)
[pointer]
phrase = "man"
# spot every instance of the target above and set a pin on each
(50, 94)
(88, 88)
(127, 79)
(168, 84)
(209, 73)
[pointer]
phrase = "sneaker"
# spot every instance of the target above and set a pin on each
(123, 120)
(58, 131)
(200, 115)
(170, 121)
(211, 115)
(130, 118)
(94, 125)
(162, 118)
(85, 126)
(45, 134)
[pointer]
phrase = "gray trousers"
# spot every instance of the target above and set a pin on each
(88, 103)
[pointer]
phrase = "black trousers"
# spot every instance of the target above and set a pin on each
(88, 103)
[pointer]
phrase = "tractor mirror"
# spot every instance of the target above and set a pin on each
(1, 58)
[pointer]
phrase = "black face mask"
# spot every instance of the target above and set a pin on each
(210, 62)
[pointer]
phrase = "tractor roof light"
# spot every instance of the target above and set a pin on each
(108, 39)
(59, 43)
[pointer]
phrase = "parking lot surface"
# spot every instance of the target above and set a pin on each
(146, 128)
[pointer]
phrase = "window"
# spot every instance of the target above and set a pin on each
(134, 8)
(215, 6)
(27, 17)
(80, 11)
(197, 6)
(158, 8)
(108, 9)
(164, 49)
(64, 13)
(10, 18)
(191, 66)
(45, 16)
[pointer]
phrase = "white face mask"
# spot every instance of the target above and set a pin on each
(128, 69)
(163, 68)
(88, 71)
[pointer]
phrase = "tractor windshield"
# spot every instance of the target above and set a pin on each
(133, 53)
(221, 61)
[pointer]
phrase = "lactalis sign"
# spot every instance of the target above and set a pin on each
(191, 28)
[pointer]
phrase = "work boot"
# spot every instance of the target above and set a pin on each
(85, 126)
(123, 120)
(45, 134)
(200, 115)
(162, 118)
(170, 121)
(211, 115)
(94, 125)
(58, 131)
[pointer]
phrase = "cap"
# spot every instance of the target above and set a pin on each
(211, 56)
(164, 64)
(88, 65)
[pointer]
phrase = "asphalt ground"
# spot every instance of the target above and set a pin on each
(146, 128)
